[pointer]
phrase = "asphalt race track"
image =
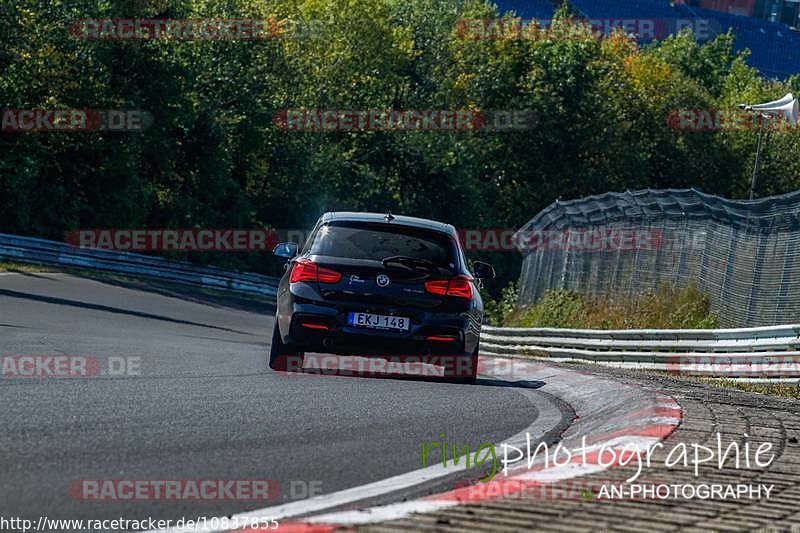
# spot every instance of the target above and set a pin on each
(196, 401)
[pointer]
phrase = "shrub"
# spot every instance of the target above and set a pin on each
(665, 308)
(498, 312)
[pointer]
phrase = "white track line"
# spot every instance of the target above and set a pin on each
(381, 514)
(559, 382)
(549, 417)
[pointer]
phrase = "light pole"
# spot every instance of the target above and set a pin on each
(758, 157)
(786, 108)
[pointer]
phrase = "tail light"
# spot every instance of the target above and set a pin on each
(315, 325)
(307, 270)
(441, 338)
(459, 286)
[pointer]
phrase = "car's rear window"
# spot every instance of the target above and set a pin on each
(359, 241)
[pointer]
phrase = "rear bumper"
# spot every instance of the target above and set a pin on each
(319, 328)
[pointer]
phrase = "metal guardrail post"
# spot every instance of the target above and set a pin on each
(51, 253)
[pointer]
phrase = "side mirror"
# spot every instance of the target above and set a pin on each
(483, 271)
(287, 250)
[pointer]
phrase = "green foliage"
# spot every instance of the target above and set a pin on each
(557, 309)
(666, 308)
(213, 157)
(498, 311)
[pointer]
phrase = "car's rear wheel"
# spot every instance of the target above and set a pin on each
(466, 372)
(282, 356)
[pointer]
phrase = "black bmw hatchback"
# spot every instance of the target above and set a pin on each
(370, 284)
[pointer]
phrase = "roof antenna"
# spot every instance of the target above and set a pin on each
(389, 217)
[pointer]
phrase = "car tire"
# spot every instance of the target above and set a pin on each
(472, 377)
(280, 352)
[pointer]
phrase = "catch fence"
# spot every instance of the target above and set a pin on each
(743, 254)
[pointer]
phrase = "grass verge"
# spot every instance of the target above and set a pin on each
(21, 268)
(771, 389)
(664, 308)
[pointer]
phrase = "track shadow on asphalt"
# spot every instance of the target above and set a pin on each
(523, 383)
(188, 293)
(256, 342)
(114, 310)
(32, 275)
(481, 381)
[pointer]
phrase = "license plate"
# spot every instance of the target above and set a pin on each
(368, 320)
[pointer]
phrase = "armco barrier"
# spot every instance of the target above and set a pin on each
(764, 353)
(51, 253)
